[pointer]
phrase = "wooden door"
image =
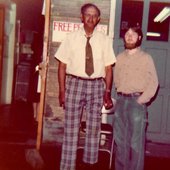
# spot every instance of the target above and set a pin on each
(159, 110)
(2, 17)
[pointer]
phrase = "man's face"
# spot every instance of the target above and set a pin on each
(131, 38)
(90, 18)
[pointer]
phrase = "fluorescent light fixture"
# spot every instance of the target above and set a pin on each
(165, 13)
(153, 34)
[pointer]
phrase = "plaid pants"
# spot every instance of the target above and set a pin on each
(79, 94)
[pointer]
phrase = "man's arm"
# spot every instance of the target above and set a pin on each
(152, 83)
(61, 81)
(108, 80)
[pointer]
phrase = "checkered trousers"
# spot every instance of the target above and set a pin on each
(79, 94)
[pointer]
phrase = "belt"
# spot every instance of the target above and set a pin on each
(83, 78)
(136, 94)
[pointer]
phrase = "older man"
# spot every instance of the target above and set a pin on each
(85, 81)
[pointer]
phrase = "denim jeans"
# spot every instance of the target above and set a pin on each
(129, 132)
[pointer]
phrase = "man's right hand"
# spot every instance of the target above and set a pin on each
(61, 80)
(62, 99)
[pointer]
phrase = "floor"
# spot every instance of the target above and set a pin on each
(18, 138)
(13, 157)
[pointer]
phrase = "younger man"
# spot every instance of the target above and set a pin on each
(136, 83)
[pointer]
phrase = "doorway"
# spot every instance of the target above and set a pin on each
(159, 48)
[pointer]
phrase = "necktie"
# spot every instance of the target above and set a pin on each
(89, 59)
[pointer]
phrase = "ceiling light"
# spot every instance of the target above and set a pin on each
(153, 34)
(165, 13)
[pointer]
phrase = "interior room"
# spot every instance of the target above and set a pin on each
(30, 35)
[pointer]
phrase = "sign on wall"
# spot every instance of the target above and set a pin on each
(61, 28)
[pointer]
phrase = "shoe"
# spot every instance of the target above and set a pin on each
(87, 166)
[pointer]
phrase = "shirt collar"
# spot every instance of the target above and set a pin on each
(84, 33)
(138, 49)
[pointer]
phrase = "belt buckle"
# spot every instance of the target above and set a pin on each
(136, 94)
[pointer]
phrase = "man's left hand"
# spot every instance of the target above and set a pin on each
(108, 100)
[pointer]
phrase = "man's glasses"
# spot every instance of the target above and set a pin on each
(90, 16)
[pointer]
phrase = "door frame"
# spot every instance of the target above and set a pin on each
(2, 21)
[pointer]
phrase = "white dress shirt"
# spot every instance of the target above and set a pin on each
(72, 53)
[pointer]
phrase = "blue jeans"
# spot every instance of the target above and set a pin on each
(129, 132)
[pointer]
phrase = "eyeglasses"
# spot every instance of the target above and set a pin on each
(90, 16)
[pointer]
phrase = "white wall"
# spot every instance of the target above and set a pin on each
(8, 59)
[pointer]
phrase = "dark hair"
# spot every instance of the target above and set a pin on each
(136, 28)
(85, 6)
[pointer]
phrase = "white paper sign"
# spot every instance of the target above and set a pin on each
(60, 29)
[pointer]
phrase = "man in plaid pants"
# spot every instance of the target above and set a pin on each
(83, 85)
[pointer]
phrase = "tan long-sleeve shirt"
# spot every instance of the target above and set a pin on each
(136, 73)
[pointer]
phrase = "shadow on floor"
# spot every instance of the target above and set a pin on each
(17, 120)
